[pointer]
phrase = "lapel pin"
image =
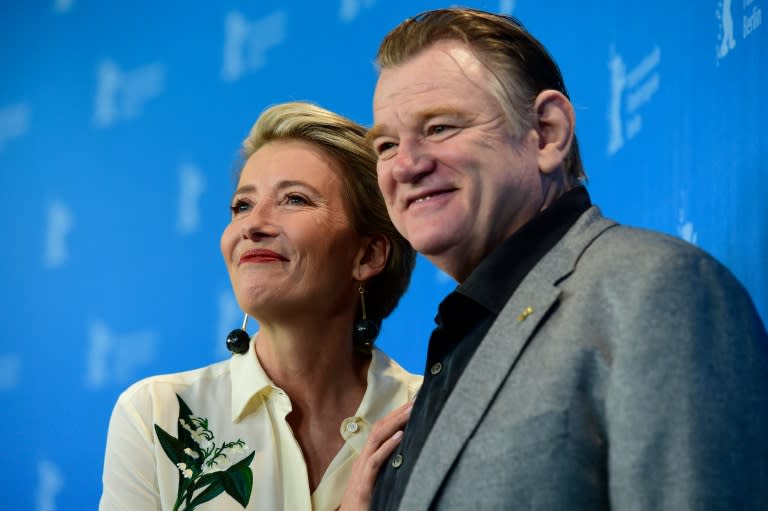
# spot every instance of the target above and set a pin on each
(526, 312)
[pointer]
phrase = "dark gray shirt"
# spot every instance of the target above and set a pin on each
(463, 319)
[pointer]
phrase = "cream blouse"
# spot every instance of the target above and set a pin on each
(216, 438)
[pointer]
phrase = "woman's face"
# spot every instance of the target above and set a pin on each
(290, 247)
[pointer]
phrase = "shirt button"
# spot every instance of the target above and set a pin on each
(436, 368)
(352, 427)
(397, 460)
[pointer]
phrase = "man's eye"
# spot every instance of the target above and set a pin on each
(384, 147)
(239, 206)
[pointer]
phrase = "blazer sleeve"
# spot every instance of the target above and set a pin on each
(687, 401)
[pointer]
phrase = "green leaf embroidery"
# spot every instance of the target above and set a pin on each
(239, 481)
(205, 469)
(212, 491)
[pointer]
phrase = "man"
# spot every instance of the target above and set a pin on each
(579, 364)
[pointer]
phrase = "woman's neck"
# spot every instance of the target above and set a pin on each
(325, 379)
(315, 363)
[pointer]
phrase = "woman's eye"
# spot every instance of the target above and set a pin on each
(437, 129)
(295, 200)
(239, 207)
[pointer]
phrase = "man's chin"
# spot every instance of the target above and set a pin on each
(450, 258)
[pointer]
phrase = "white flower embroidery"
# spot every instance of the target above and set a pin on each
(202, 457)
(186, 472)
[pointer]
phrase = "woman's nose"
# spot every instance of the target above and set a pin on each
(258, 223)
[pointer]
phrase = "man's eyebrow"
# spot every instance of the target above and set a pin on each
(374, 132)
(424, 115)
(437, 111)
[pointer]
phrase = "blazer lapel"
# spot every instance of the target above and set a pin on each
(494, 359)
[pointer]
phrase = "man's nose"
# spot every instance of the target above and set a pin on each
(411, 163)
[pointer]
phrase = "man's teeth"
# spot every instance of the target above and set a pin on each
(422, 199)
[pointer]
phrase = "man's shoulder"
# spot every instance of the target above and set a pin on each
(639, 260)
(622, 245)
(642, 243)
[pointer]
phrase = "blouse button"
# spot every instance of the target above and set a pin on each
(436, 368)
(352, 427)
(397, 460)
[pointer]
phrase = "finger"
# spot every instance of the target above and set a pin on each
(382, 454)
(365, 470)
(368, 470)
(384, 428)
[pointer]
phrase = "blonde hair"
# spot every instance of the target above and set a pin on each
(344, 141)
(520, 65)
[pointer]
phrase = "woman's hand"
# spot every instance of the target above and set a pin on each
(384, 438)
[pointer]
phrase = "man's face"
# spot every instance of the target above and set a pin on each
(455, 180)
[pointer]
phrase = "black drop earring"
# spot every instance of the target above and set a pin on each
(238, 340)
(365, 330)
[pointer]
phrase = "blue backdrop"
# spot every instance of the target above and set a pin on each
(120, 124)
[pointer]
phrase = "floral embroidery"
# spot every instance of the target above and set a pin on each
(205, 470)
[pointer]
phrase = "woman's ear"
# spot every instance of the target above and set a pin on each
(555, 123)
(372, 257)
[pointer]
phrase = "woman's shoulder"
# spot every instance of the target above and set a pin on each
(385, 365)
(155, 391)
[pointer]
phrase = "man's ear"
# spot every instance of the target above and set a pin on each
(555, 124)
(372, 257)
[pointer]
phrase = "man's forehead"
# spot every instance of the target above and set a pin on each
(445, 65)
(448, 55)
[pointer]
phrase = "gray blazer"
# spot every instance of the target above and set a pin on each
(628, 371)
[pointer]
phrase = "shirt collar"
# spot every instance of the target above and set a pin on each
(384, 386)
(498, 275)
(248, 380)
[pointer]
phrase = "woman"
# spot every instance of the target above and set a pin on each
(313, 257)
